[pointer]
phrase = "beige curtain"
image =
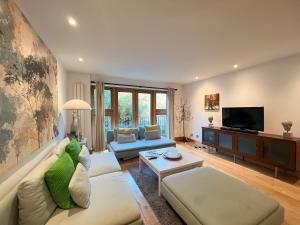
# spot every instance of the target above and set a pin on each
(99, 120)
(93, 116)
(171, 93)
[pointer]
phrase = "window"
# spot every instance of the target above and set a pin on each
(125, 110)
(107, 99)
(161, 112)
(144, 109)
(127, 107)
(161, 120)
(108, 109)
(161, 101)
(107, 123)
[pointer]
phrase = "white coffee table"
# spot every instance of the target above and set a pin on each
(163, 167)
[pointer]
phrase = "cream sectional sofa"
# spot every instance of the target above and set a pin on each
(110, 193)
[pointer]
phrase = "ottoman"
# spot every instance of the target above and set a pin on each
(208, 197)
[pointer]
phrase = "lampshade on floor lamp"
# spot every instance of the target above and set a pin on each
(76, 105)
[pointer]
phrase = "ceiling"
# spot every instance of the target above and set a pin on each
(166, 40)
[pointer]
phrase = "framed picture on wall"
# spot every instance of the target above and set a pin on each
(212, 102)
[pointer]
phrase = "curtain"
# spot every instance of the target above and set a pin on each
(171, 93)
(93, 116)
(99, 120)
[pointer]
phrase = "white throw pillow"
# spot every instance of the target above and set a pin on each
(80, 187)
(84, 157)
(35, 202)
(60, 148)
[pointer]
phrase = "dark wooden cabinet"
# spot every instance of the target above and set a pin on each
(267, 149)
(209, 136)
(279, 153)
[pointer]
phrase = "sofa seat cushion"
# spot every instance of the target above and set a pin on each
(142, 144)
(103, 162)
(139, 144)
(215, 198)
(157, 143)
(111, 203)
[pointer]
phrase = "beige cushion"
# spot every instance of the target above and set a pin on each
(215, 198)
(35, 201)
(111, 203)
(125, 138)
(84, 157)
(152, 127)
(103, 162)
(124, 130)
(80, 187)
(60, 148)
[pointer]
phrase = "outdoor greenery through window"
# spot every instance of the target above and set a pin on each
(128, 108)
(107, 99)
(161, 112)
(161, 101)
(125, 110)
(144, 109)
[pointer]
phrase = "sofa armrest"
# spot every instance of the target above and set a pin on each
(110, 136)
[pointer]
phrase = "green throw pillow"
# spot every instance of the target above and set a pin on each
(73, 148)
(58, 178)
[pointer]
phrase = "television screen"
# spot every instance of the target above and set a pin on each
(250, 118)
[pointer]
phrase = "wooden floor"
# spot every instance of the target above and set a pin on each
(285, 189)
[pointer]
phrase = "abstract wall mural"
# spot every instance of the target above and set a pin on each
(28, 88)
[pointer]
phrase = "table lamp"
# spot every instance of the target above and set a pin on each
(76, 105)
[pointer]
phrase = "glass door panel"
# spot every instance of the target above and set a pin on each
(161, 120)
(144, 109)
(161, 101)
(107, 99)
(125, 110)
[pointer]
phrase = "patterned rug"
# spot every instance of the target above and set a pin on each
(148, 186)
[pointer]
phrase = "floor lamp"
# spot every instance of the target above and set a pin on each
(76, 105)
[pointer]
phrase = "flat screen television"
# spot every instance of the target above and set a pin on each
(244, 118)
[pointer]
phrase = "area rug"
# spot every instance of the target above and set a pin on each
(148, 186)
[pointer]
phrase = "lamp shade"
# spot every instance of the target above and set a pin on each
(76, 104)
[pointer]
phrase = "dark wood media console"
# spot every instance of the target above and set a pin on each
(266, 149)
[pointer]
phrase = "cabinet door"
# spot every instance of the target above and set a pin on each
(279, 153)
(208, 137)
(225, 141)
(247, 146)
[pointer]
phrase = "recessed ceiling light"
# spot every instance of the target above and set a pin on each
(80, 59)
(197, 78)
(235, 66)
(72, 21)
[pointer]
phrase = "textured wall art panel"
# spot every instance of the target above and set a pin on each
(28, 88)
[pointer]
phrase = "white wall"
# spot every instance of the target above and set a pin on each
(73, 77)
(62, 89)
(274, 85)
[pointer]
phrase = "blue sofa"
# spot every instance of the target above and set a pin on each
(130, 150)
